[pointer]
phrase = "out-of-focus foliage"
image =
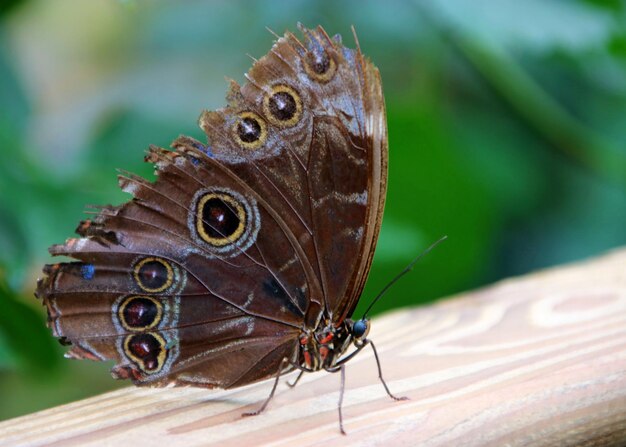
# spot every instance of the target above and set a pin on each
(506, 128)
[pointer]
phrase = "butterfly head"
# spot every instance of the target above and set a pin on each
(360, 329)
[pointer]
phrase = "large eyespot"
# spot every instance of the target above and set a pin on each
(319, 65)
(250, 130)
(223, 220)
(139, 313)
(153, 275)
(147, 351)
(283, 106)
(220, 219)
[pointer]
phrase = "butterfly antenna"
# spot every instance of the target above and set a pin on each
(406, 270)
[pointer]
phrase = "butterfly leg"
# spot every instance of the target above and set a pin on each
(282, 366)
(295, 382)
(340, 368)
(342, 388)
(359, 346)
(380, 372)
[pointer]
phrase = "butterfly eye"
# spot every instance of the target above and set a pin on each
(283, 106)
(360, 329)
(147, 351)
(220, 219)
(139, 313)
(250, 130)
(153, 275)
(319, 65)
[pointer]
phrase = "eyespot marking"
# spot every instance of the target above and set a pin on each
(250, 130)
(140, 313)
(283, 106)
(220, 219)
(319, 65)
(153, 275)
(223, 221)
(147, 350)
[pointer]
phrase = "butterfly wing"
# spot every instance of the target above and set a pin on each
(209, 274)
(166, 305)
(325, 168)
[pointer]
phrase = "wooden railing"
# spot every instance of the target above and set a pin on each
(532, 361)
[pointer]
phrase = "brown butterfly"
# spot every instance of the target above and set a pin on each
(246, 258)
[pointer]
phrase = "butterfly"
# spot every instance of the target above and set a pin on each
(246, 258)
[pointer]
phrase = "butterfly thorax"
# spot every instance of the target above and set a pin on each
(321, 348)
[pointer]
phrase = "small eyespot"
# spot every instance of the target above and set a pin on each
(283, 106)
(147, 350)
(319, 65)
(220, 219)
(250, 130)
(153, 275)
(139, 313)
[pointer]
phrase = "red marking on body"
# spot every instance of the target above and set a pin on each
(327, 339)
(324, 352)
(307, 359)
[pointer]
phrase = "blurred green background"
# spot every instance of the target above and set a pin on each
(507, 129)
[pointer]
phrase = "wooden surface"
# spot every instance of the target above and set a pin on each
(532, 361)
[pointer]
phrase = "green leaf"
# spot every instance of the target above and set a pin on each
(27, 342)
(537, 25)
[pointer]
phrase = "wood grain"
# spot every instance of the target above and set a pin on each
(532, 361)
